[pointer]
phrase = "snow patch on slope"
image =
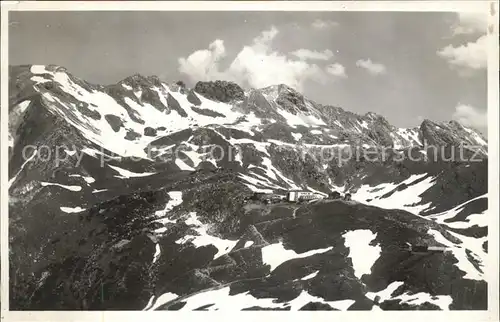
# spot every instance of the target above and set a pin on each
(175, 200)
(14, 178)
(294, 120)
(296, 136)
(248, 243)
(310, 276)
(258, 185)
(480, 219)
(71, 188)
(362, 254)
(88, 180)
(157, 253)
(21, 107)
(276, 254)
(126, 174)
(70, 210)
(442, 301)
(223, 246)
(220, 299)
(405, 199)
(183, 166)
(386, 293)
(459, 252)
(164, 298)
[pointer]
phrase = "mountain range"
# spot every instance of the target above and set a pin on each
(140, 196)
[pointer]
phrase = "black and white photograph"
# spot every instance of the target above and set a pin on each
(250, 159)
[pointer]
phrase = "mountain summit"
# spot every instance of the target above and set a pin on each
(148, 195)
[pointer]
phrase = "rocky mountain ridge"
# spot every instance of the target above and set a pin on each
(137, 196)
(274, 104)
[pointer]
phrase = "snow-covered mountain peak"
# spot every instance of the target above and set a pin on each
(127, 117)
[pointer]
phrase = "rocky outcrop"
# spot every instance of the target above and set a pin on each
(132, 135)
(380, 130)
(149, 131)
(290, 99)
(114, 121)
(436, 134)
(192, 98)
(174, 105)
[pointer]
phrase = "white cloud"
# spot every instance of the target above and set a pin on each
(257, 65)
(265, 68)
(263, 41)
(470, 23)
(471, 117)
(313, 55)
(202, 64)
(472, 55)
(372, 67)
(324, 24)
(336, 69)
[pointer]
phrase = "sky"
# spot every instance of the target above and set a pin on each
(406, 66)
